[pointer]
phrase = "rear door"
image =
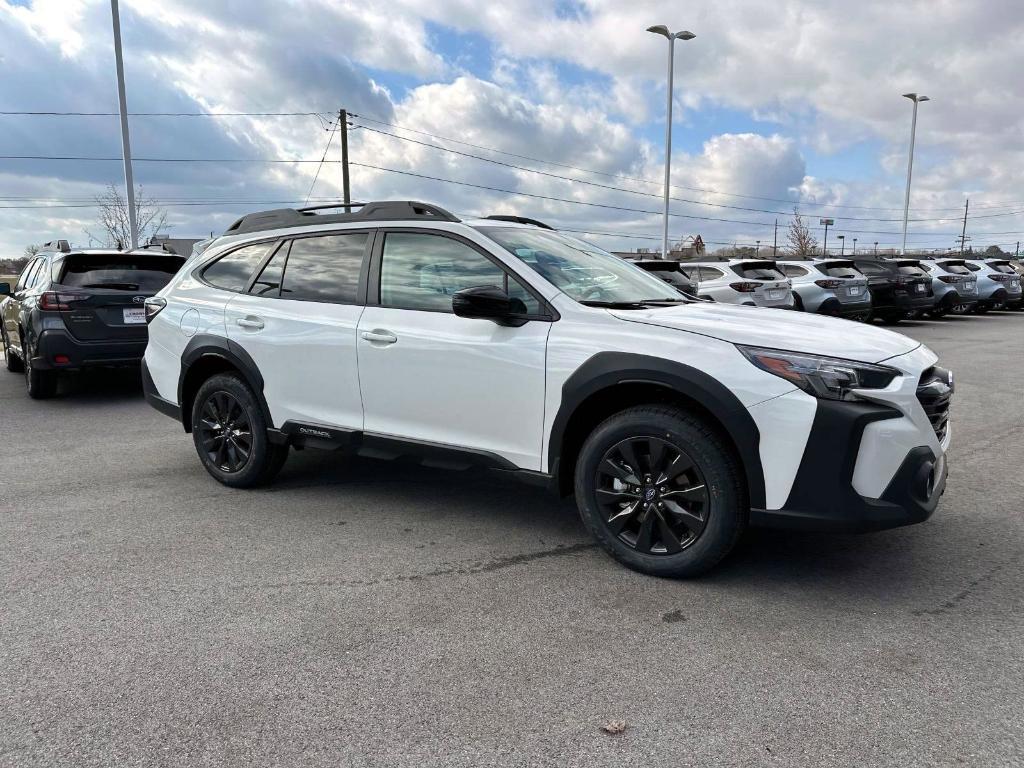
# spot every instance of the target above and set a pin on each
(297, 320)
(104, 293)
(12, 307)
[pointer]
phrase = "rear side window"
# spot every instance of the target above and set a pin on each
(268, 281)
(232, 272)
(125, 272)
(1004, 268)
(756, 272)
(956, 269)
(325, 268)
(710, 273)
(792, 270)
(872, 269)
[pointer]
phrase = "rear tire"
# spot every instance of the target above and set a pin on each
(230, 434)
(665, 468)
(40, 385)
(13, 361)
(798, 303)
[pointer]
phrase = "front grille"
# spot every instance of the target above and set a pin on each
(934, 392)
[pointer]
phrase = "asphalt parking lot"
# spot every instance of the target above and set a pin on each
(365, 613)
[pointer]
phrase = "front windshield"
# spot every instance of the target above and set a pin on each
(583, 271)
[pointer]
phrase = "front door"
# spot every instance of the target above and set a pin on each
(427, 375)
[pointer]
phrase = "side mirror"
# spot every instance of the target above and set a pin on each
(5, 289)
(487, 302)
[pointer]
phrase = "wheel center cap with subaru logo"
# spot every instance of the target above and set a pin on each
(650, 493)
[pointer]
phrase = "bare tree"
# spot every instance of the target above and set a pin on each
(114, 229)
(30, 250)
(802, 242)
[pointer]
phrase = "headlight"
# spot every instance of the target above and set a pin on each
(828, 377)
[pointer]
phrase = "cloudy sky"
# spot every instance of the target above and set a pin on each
(552, 109)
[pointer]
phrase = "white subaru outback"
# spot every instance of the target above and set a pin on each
(400, 330)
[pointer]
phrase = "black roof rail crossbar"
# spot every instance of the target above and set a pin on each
(328, 206)
(388, 210)
(57, 245)
(519, 220)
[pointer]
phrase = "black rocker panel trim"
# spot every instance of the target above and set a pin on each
(149, 390)
(207, 345)
(609, 369)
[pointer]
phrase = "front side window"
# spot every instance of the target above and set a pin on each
(421, 271)
(232, 272)
(582, 271)
(325, 268)
(26, 274)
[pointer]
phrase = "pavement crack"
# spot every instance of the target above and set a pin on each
(959, 597)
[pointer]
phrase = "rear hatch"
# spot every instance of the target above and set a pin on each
(958, 275)
(853, 285)
(101, 295)
(762, 281)
(912, 279)
(1005, 274)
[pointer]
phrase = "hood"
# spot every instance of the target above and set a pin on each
(778, 329)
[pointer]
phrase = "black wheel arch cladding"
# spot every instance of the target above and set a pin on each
(205, 346)
(607, 370)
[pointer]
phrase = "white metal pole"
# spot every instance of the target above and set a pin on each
(910, 171)
(126, 148)
(668, 146)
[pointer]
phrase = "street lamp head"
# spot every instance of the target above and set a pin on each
(660, 29)
(684, 35)
(915, 97)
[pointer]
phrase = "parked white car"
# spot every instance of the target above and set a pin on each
(401, 330)
(753, 282)
(829, 287)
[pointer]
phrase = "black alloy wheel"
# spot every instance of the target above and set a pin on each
(12, 360)
(652, 496)
(225, 432)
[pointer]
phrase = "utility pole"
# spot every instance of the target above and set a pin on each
(910, 164)
(855, 246)
(963, 233)
(775, 240)
(343, 127)
(876, 247)
(827, 223)
(1016, 253)
(126, 148)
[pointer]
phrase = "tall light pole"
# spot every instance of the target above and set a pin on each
(757, 252)
(842, 245)
(827, 223)
(910, 164)
(126, 148)
(662, 30)
(855, 246)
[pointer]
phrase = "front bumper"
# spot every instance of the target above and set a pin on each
(83, 354)
(823, 496)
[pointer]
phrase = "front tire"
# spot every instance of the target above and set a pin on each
(230, 434)
(13, 362)
(661, 491)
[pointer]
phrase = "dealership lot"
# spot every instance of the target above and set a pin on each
(370, 613)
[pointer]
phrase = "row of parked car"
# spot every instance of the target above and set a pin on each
(862, 288)
(401, 330)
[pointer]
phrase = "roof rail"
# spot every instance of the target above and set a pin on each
(519, 220)
(57, 245)
(388, 210)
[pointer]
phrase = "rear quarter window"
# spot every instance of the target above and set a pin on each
(128, 272)
(956, 269)
(912, 271)
(232, 272)
(792, 270)
(755, 272)
(839, 271)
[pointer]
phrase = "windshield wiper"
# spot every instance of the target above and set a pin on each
(122, 286)
(614, 304)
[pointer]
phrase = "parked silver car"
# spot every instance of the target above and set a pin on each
(999, 286)
(754, 282)
(829, 287)
(954, 285)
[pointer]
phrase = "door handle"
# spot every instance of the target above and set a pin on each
(251, 322)
(379, 336)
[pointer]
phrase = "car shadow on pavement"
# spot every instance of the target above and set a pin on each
(101, 385)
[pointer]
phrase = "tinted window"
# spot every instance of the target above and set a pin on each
(421, 271)
(972, 267)
(325, 268)
(127, 272)
(872, 269)
(956, 269)
(906, 269)
(757, 272)
(268, 282)
(710, 273)
(792, 270)
(1004, 268)
(232, 272)
(26, 274)
(838, 271)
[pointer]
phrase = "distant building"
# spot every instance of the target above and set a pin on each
(690, 249)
